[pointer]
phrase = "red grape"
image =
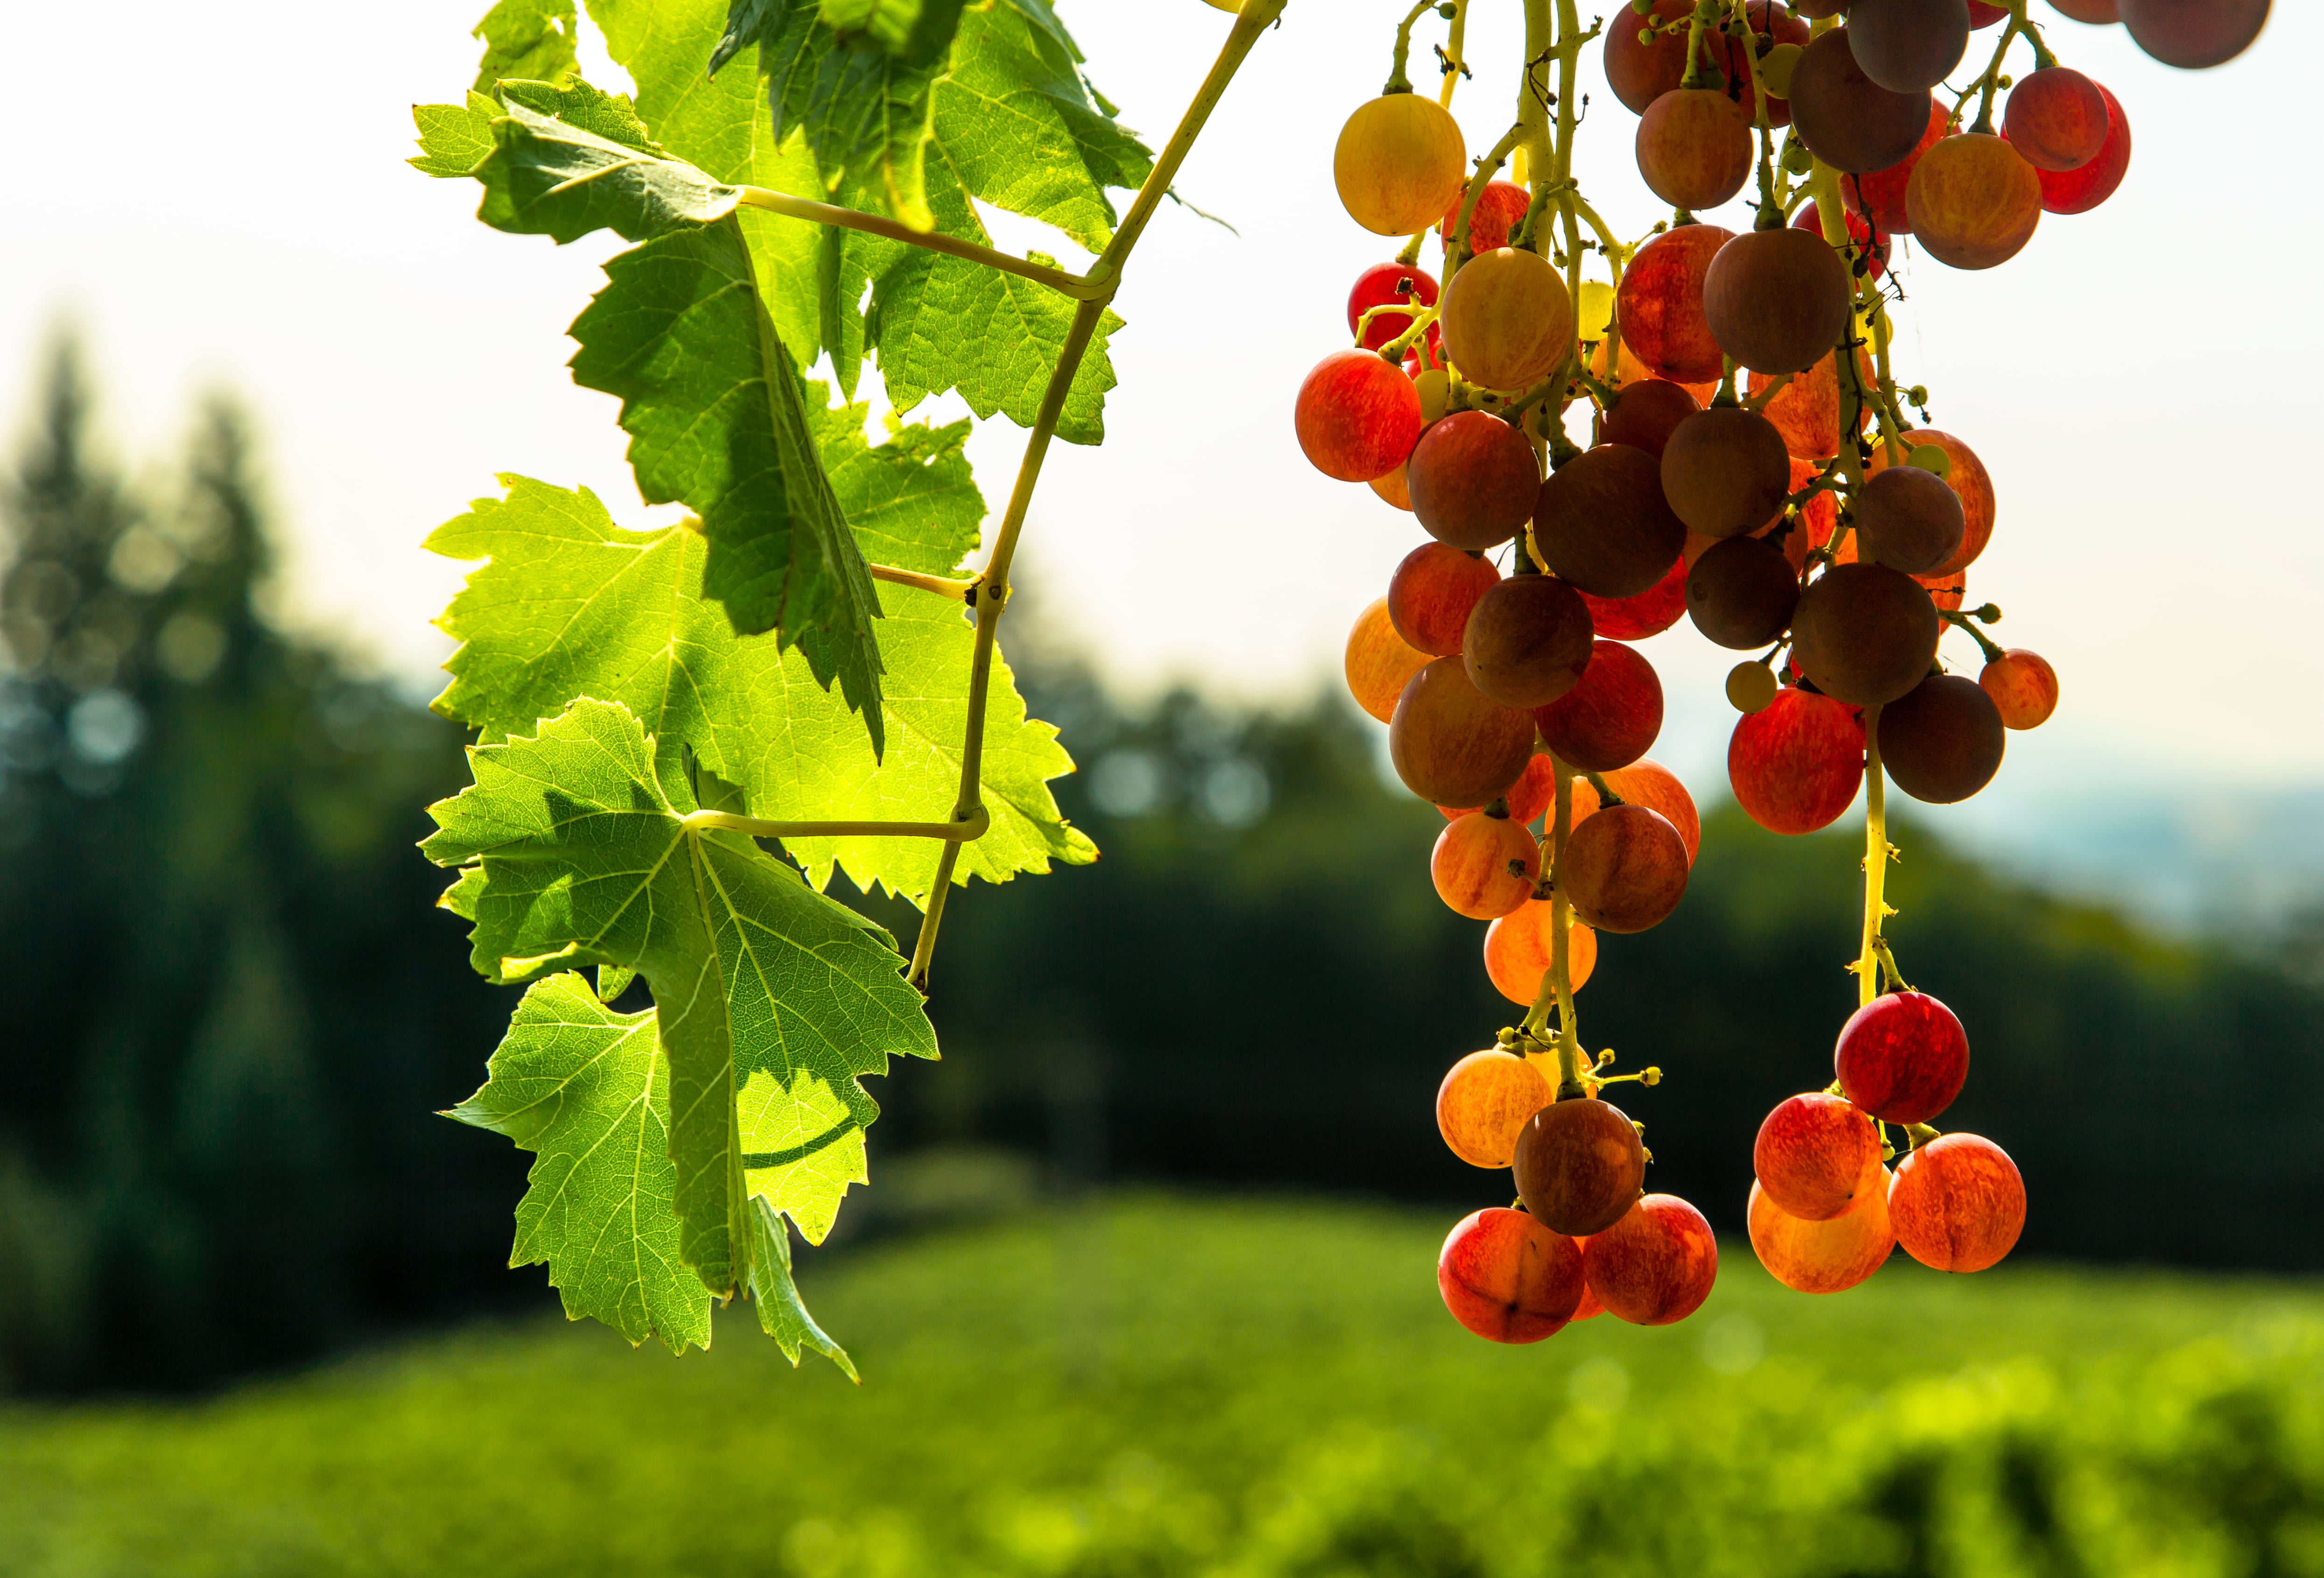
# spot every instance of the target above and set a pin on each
(1908, 520)
(1741, 592)
(1611, 717)
(1507, 1278)
(1377, 286)
(1659, 304)
(1796, 764)
(2077, 191)
(1655, 1266)
(1957, 1203)
(1812, 1153)
(1777, 301)
(1908, 46)
(1649, 613)
(1398, 160)
(1527, 797)
(1431, 594)
(1506, 318)
(1725, 471)
(1864, 633)
(1971, 484)
(1498, 211)
(1357, 416)
(2056, 117)
(1902, 1058)
(1846, 119)
(1650, 784)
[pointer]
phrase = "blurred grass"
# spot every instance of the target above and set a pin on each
(1161, 1385)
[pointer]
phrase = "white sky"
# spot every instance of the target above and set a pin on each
(2135, 380)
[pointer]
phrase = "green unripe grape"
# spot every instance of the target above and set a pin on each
(1931, 458)
(1750, 686)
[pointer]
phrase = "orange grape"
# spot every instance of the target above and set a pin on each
(1517, 952)
(1484, 866)
(1485, 1101)
(1378, 661)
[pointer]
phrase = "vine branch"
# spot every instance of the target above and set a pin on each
(992, 598)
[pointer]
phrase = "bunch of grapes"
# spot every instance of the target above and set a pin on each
(1751, 467)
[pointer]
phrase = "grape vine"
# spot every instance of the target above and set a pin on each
(1802, 513)
(801, 659)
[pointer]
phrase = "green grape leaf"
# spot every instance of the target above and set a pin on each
(1003, 116)
(781, 1315)
(533, 39)
(911, 500)
(579, 1085)
(454, 138)
(723, 128)
(546, 178)
(994, 92)
(570, 605)
(945, 323)
(771, 1000)
(711, 399)
(609, 116)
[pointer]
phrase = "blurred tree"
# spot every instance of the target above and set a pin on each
(219, 946)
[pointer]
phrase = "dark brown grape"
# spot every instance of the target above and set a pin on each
(1579, 1165)
(1611, 717)
(1601, 521)
(1644, 414)
(1725, 472)
(1908, 520)
(1847, 120)
(1970, 482)
(1451, 745)
(1526, 644)
(1624, 869)
(1741, 592)
(1908, 46)
(1777, 301)
(1471, 479)
(1864, 633)
(2194, 34)
(1941, 740)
